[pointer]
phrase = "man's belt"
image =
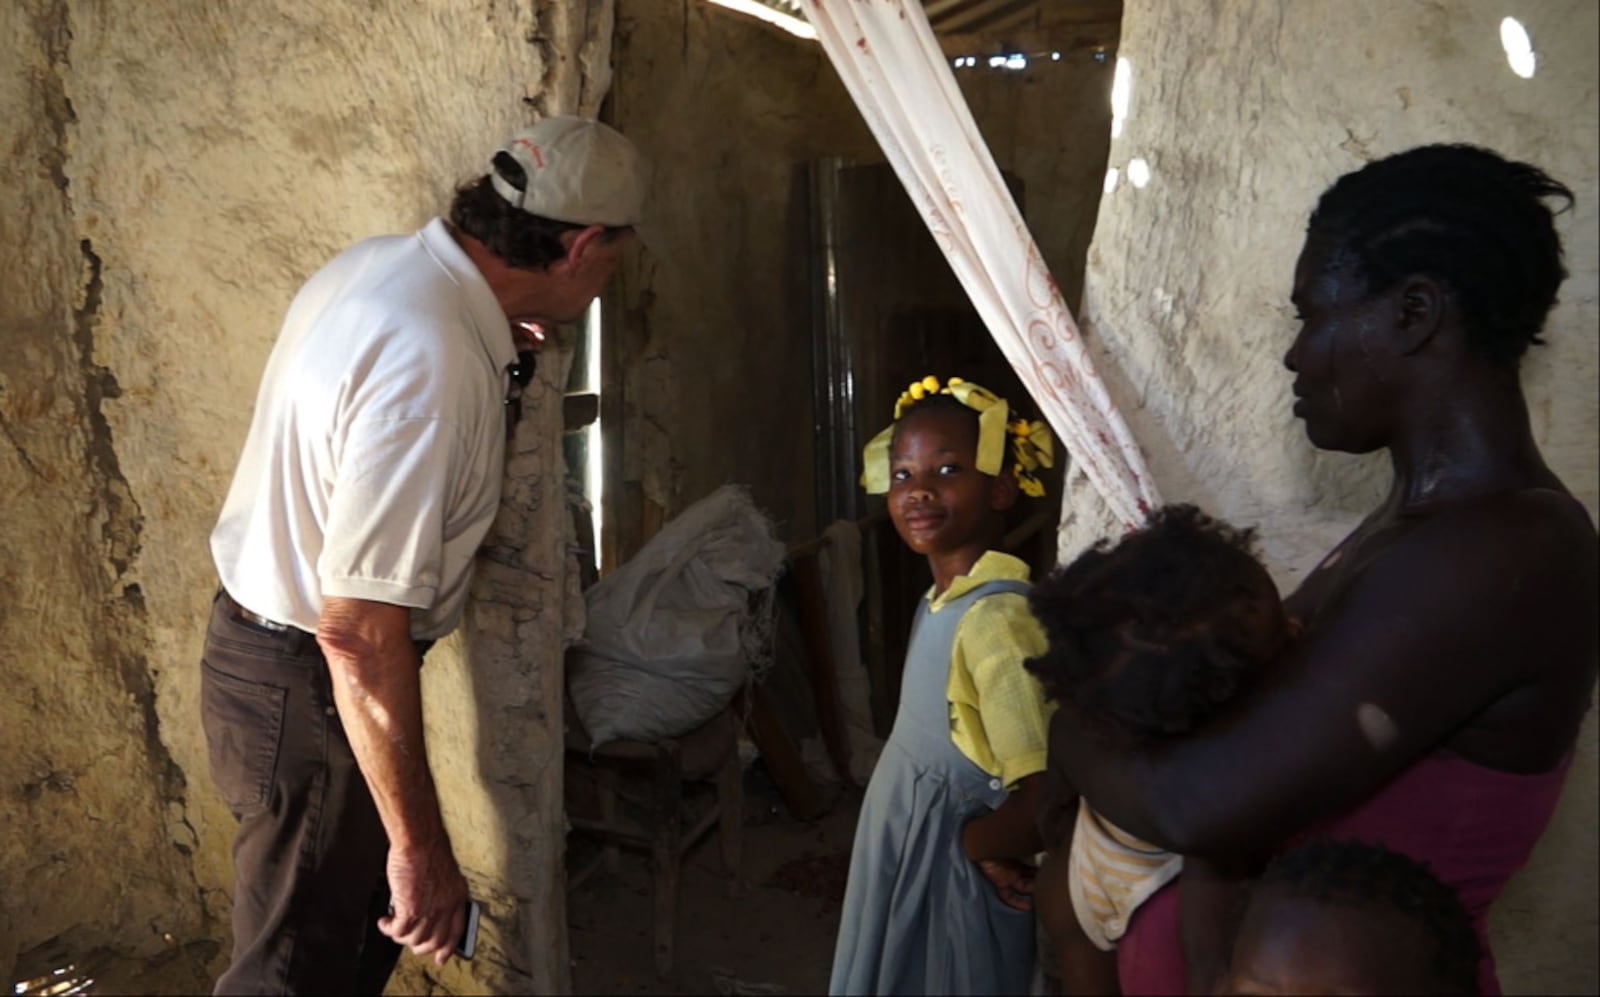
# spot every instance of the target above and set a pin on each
(244, 615)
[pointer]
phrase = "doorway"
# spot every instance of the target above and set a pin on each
(888, 310)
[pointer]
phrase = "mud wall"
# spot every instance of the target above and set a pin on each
(173, 172)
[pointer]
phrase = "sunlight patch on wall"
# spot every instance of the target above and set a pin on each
(1519, 47)
(1138, 171)
(1121, 92)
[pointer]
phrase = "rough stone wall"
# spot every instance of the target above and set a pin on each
(717, 359)
(95, 829)
(1246, 110)
(174, 172)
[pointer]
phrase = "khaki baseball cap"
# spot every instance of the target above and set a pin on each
(573, 170)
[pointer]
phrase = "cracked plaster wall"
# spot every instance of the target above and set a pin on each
(173, 172)
(716, 363)
(1246, 110)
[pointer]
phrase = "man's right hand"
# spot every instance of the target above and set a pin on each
(428, 900)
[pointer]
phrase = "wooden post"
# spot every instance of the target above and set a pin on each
(821, 671)
(799, 793)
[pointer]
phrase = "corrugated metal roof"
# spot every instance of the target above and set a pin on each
(983, 27)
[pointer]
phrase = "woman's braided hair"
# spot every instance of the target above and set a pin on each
(1465, 216)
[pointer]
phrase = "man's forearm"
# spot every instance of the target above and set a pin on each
(377, 690)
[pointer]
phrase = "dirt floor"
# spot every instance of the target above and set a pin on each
(776, 938)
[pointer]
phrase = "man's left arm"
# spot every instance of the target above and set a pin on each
(377, 691)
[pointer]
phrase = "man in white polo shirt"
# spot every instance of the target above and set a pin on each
(370, 475)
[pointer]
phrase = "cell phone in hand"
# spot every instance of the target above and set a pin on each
(468, 944)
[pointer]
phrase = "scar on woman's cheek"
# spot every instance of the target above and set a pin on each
(1376, 726)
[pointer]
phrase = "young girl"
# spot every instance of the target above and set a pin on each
(1146, 638)
(938, 896)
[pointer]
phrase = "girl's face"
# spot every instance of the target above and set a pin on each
(942, 506)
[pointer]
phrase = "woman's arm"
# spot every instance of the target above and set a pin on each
(1446, 621)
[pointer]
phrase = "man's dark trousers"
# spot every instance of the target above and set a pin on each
(310, 852)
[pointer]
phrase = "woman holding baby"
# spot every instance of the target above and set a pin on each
(1443, 654)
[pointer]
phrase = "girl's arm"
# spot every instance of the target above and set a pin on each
(999, 841)
(992, 641)
(1455, 617)
(1009, 832)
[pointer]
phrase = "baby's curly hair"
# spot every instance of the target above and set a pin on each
(1361, 874)
(1150, 635)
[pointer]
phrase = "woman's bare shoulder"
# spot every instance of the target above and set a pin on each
(1522, 569)
(1535, 526)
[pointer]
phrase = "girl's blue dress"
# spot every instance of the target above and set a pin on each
(919, 918)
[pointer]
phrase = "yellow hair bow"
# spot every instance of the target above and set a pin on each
(1032, 442)
(1035, 448)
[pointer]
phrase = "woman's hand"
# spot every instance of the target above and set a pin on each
(1012, 881)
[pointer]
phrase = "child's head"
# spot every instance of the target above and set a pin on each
(1352, 918)
(1152, 634)
(952, 463)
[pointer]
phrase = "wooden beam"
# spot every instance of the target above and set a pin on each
(975, 16)
(990, 27)
(800, 794)
(823, 673)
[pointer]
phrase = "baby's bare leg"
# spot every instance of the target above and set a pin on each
(1082, 968)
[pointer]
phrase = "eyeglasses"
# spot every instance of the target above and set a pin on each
(521, 372)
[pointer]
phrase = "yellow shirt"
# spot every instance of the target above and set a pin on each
(998, 714)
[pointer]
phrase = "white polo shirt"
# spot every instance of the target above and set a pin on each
(373, 465)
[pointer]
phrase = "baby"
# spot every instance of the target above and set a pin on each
(1343, 917)
(1146, 638)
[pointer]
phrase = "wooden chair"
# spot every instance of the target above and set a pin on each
(661, 820)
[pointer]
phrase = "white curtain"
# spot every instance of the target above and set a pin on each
(890, 61)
